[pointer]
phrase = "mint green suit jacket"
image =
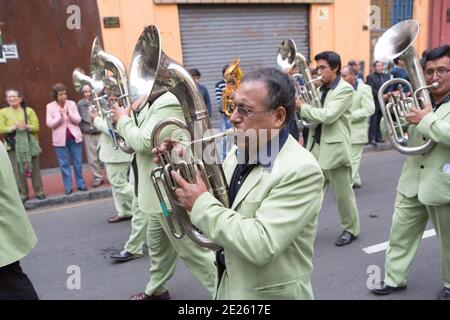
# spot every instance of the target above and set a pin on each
(428, 176)
(363, 107)
(269, 231)
(335, 117)
(138, 137)
(17, 237)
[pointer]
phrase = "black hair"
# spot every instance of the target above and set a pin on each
(195, 72)
(376, 62)
(333, 59)
(280, 89)
(437, 53)
(225, 67)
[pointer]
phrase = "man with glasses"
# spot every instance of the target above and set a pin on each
(423, 191)
(330, 140)
(275, 192)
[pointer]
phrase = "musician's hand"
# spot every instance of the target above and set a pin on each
(168, 145)
(119, 112)
(188, 193)
(416, 115)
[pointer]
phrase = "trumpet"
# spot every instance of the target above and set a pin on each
(397, 42)
(288, 58)
(152, 74)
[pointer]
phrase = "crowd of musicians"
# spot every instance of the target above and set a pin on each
(265, 236)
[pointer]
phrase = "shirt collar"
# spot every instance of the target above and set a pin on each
(447, 99)
(267, 154)
(332, 85)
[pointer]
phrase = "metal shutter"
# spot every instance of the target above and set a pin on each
(213, 35)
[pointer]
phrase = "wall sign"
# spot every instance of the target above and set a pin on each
(10, 51)
(111, 22)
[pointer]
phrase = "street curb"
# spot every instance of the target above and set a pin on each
(63, 199)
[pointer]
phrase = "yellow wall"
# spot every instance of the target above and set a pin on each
(421, 11)
(134, 16)
(342, 31)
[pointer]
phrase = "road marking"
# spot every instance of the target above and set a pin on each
(69, 206)
(383, 246)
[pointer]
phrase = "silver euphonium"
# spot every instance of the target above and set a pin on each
(153, 73)
(397, 42)
(101, 60)
(288, 58)
(80, 79)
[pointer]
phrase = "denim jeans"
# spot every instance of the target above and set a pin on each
(63, 154)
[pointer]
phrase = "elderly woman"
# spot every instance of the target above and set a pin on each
(64, 119)
(20, 125)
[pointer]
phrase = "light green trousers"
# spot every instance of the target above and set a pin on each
(341, 181)
(408, 224)
(139, 223)
(164, 250)
(357, 151)
(122, 190)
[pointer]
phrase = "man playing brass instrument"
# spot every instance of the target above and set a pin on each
(276, 194)
(423, 190)
(163, 247)
(330, 140)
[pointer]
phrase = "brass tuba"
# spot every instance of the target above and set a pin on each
(233, 75)
(397, 42)
(153, 73)
(288, 58)
(102, 61)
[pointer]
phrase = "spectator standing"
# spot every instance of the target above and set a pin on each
(91, 136)
(64, 120)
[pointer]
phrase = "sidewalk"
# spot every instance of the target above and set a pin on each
(54, 189)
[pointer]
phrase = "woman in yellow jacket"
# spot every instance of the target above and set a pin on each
(20, 125)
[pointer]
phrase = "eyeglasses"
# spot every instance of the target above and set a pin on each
(244, 112)
(441, 72)
(322, 67)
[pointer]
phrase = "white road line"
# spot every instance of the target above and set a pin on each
(383, 246)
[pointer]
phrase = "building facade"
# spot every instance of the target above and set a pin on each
(203, 34)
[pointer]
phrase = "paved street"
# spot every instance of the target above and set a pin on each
(79, 235)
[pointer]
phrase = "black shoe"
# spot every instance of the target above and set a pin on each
(24, 199)
(373, 142)
(380, 140)
(383, 289)
(40, 196)
(83, 189)
(68, 192)
(123, 256)
(445, 294)
(356, 186)
(344, 239)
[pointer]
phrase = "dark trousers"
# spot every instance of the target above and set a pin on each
(15, 285)
(374, 129)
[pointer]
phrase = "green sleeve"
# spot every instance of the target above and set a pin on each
(367, 106)
(278, 219)
(33, 121)
(333, 110)
(4, 129)
(435, 128)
